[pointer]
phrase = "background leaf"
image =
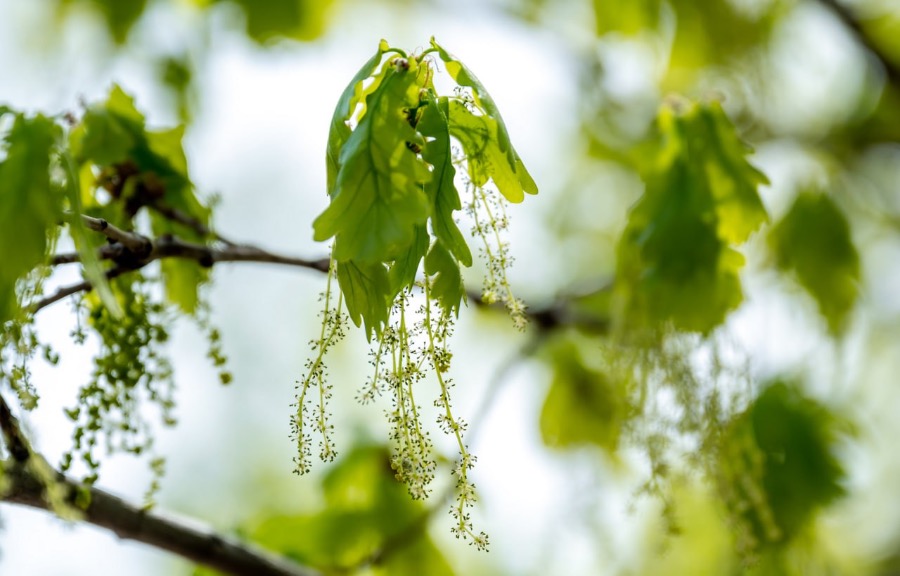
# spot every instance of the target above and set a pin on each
(813, 242)
(675, 261)
(777, 466)
(30, 205)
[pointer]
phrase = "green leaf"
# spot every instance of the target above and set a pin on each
(676, 263)
(629, 17)
(30, 206)
(379, 198)
(486, 161)
(512, 168)
(87, 243)
(813, 241)
(732, 180)
(435, 126)
(120, 15)
(403, 270)
(270, 19)
(366, 509)
(366, 289)
(447, 286)
(108, 132)
(340, 131)
(776, 463)
(113, 136)
(583, 405)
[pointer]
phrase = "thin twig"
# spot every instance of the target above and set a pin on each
(129, 522)
(196, 225)
(83, 286)
(171, 247)
(133, 242)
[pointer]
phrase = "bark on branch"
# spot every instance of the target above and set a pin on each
(127, 521)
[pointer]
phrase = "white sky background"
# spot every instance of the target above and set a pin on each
(258, 139)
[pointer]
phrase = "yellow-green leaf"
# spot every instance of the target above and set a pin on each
(583, 406)
(30, 205)
(676, 261)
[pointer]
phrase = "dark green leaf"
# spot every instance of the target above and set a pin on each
(366, 289)
(434, 125)
(813, 241)
(777, 466)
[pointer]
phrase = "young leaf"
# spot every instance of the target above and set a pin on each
(31, 206)
(366, 289)
(675, 260)
(379, 198)
(733, 181)
(447, 286)
(434, 125)
(403, 271)
(270, 19)
(509, 165)
(340, 131)
(113, 136)
(108, 132)
(813, 241)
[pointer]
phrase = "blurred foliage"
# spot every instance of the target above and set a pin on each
(31, 204)
(137, 168)
(368, 524)
(777, 466)
(265, 20)
(813, 241)
(676, 261)
(119, 15)
(585, 405)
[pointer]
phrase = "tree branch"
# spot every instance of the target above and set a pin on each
(171, 247)
(200, 545)
(548, 317)
(845, 15)
(135, 243)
